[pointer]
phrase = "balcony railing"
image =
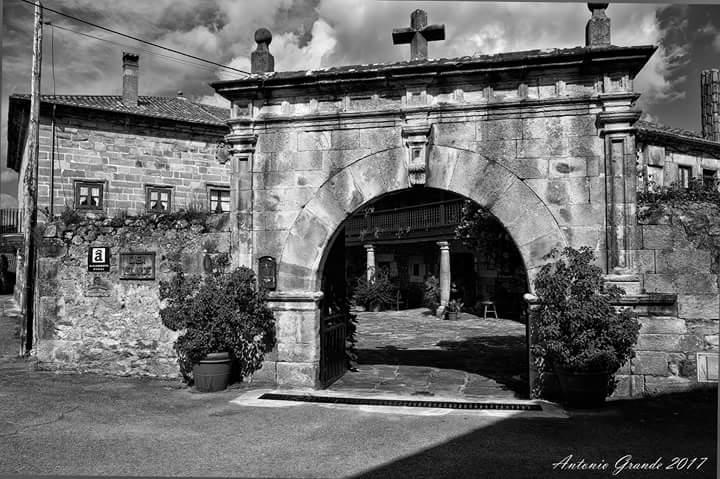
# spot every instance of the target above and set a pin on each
(407, 222)
(9, 220)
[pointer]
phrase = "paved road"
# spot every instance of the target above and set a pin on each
(96, 425)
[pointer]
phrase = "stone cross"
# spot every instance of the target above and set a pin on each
(418, 35)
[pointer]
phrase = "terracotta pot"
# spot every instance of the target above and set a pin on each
(587, 389)
(452, 315)
(213, 373)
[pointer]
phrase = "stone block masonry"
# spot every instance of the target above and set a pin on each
(97, 322)
(125, 157)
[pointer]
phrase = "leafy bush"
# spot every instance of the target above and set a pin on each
(220, 312)
(431, 297)
(454, 306)
(575, 325)
(379, 291)
(696, 192)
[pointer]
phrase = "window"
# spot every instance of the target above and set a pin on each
(709, 178)
(157, 198)
(655, 176)
(684, 175)
(219, 199)
(89, 195)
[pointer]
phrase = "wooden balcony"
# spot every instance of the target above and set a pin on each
(407, 224)
(9, 221)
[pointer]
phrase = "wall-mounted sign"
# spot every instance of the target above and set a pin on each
(99, 259)
(137, 265)
(267, 269)
(98, 287)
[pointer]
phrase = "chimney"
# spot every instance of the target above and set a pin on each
(710, 104)
(597, 30)
(131, 70)
(261, 60)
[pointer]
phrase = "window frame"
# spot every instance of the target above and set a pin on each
(706, 177)
(689, 170)
(159, 189)
(89, 184)
(219, 188)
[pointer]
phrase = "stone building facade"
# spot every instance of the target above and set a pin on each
(547, 141)
(544, 140)
(106, 157)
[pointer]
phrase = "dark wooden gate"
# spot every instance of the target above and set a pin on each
(332, 348)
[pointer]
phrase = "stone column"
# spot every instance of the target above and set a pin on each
(370, 252)
(242, 148)
(444, 276)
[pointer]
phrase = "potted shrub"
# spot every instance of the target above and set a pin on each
(576, 330)
(223, 317)
(375, 293)
(453, 308)
(431, 295)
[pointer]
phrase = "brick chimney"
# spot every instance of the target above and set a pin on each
(131, 70)
(710, 104)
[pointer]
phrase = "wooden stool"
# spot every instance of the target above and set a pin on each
(489, 307)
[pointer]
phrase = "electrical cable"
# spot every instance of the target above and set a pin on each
(136, 38)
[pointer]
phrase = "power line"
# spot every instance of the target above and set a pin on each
(137, 39)
(184, 62)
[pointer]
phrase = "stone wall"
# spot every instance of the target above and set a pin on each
(97, 322)
(126, 154)
(680, 256)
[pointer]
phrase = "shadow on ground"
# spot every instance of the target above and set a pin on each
(656, 430)
(501, 358)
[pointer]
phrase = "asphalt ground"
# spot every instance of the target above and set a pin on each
(71, 424)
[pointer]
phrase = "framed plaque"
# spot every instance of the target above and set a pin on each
(99, 259)
(267, 270)
(137, 266)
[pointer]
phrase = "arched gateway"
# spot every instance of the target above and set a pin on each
(542, 139)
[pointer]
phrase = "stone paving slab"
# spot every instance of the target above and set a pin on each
(412, 352)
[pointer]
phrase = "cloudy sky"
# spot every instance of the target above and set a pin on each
(319, 33)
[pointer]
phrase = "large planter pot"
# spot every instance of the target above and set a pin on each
(452, 315)
(583, 389)
(212, 373)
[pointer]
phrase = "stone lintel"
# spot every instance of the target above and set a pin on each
(295, 296)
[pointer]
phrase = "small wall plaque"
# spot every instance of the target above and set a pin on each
(98, 287)
(267, 269)
(137, 265)
(99, 259)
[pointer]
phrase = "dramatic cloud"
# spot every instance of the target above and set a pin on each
(306, 34)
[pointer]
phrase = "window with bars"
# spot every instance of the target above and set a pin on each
(219, 197)
(89, 195)
(157, 198)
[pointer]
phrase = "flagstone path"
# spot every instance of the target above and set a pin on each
(411, 352)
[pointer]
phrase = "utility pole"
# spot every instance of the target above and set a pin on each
(30, 184)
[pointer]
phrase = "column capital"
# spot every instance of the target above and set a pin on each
(443, 244)
(369, 247)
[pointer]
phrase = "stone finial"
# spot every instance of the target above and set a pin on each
(261, 61)
(418, 35)
(597, 30)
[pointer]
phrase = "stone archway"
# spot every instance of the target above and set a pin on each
(491, 185)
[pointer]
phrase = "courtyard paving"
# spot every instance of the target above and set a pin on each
(411, 352)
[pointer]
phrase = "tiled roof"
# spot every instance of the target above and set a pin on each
(172, 108)
(649, 127)
(675, 137)
(459, 63)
